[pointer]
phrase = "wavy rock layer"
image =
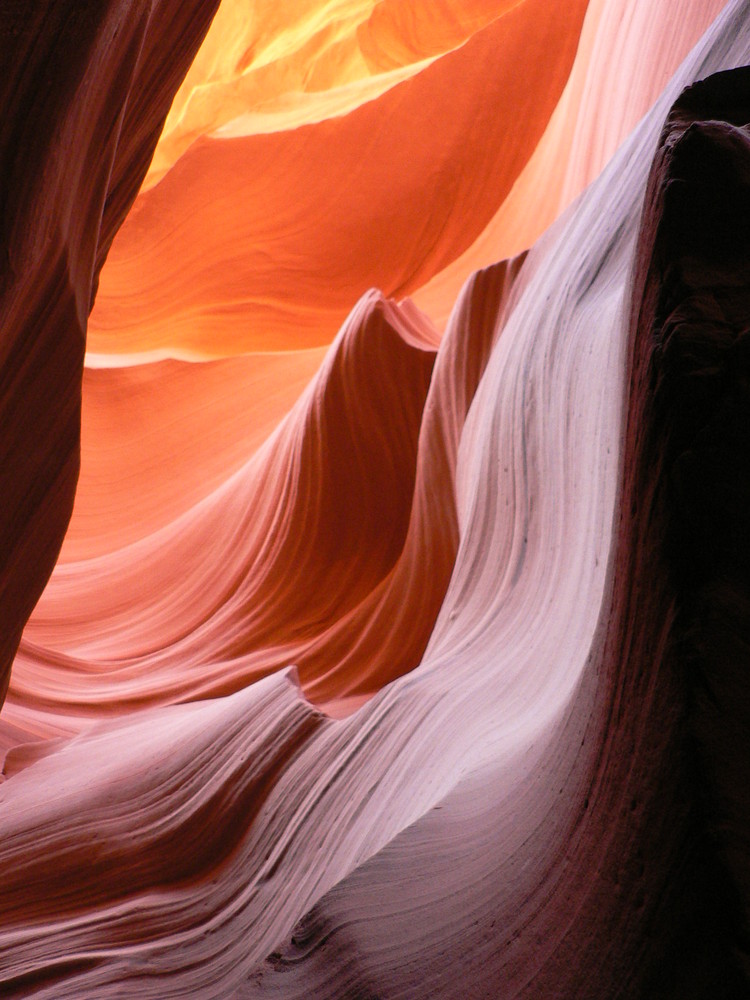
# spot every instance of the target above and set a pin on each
(199, 422)
(274, 235)
(123, 492)
(525, 545)
(641, 43)
(278, 66)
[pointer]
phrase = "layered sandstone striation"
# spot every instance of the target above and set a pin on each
(422, 675)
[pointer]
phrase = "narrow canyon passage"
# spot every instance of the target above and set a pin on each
(376, 567)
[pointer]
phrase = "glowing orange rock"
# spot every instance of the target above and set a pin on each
(273, 236)
(275, 66)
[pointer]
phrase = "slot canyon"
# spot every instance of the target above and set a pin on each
(375, 522)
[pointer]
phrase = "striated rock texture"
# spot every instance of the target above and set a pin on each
(412, 665)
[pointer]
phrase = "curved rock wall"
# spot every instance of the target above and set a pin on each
(433, 684)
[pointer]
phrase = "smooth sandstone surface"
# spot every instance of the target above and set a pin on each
(392, 662)
(274, 235)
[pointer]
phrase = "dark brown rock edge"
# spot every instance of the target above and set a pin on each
(687, 530)
(84, 90)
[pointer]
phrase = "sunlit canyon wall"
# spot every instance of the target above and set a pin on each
(375, 397)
